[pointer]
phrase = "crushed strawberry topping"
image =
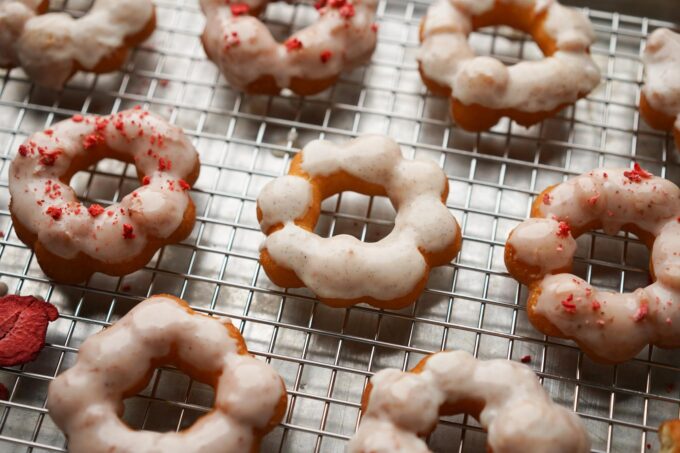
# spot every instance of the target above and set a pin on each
(347, 11)
(54, 212)
(128, 231)
(596, 305)
(184, 185)
(641, 312)
(95, 210)
(23, 325)
(637, 174)
(546, 199)
(525, 359)
(568, 304)
(164, 164)
(325, 56)
(563, 230)
(238, 9)
(146, 180)
(293, 44)
(77, 118)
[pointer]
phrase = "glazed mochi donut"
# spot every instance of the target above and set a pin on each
(610, 327)
(52, 47)
(482, 89)
(72, 241)
(669, 435)
(660, 99)
(86, 401)
(342, 270)
(308, 62)
(400, 408)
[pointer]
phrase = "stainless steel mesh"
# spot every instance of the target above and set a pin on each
(326, 355)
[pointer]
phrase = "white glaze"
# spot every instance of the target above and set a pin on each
(446, 57)
(343, 267)
(245, 50)
(84, 400)
(48, 46)
(154, 210)
(662, 69)
(613, 326)
(518, 414)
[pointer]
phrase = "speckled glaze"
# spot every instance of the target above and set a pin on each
(48, 208)
(611, 327)
(515, 410)
(446, 57)
(86, 400)
(343, 267)
(242, 46)
(50, 47)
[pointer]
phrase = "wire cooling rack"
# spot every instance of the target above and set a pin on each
(327, 355)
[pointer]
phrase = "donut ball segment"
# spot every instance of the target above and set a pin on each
(533, 276)
(86, 401)
(325, 187)
(476, 117)
(669, 435)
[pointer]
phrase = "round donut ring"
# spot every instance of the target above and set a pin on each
(482, 89)
(72, 241)
(660, 99)
(342, 270)
(86, 401)
(399, 408)
(308, 62)
(52, 47)
(610, 327)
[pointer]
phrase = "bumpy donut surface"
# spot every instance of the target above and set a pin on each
(86, 401)
(343, 270)
(52, 47)
(400, 408)
(483, 89)
(669, 435)
(610, 327)
(660, 99)
(71, 240)
(311, 60)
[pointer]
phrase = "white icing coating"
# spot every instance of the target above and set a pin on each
(517, 413)
(662, 69)
(85, 400)
(612, 326)
(343, 267)
(446, 57)
(49, 46)
(242, 46)
(50, 209)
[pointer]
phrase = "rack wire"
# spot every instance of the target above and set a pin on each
(327, 355)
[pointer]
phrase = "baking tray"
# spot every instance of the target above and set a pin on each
(326, 355)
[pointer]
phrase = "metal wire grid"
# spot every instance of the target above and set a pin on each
(326, 355)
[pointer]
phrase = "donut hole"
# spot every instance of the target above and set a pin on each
(617, 263)
(508, 45)
(105, 182)
(367, 218)
(285, 18)
(74, 8)
(170, 401)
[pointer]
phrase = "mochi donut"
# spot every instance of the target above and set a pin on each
(72, 241)
(86, 401)
(482, 89)
(342, 270)
(400, 408)
(660, 98)
(52, 47)
(311, 60)
(669, 435)
(609, 326)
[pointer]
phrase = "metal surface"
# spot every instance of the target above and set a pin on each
(326, 355)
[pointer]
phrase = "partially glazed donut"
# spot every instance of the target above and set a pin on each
(52, 47)
(483, 89)
(86, 401)
(72, 241)
(308, 62)
(660, 99)
(610, 327)
(343, 270)
(400, 408)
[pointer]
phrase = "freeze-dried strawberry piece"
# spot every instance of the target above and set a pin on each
(23, 325)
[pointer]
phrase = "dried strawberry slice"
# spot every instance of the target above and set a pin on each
(23, 325)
